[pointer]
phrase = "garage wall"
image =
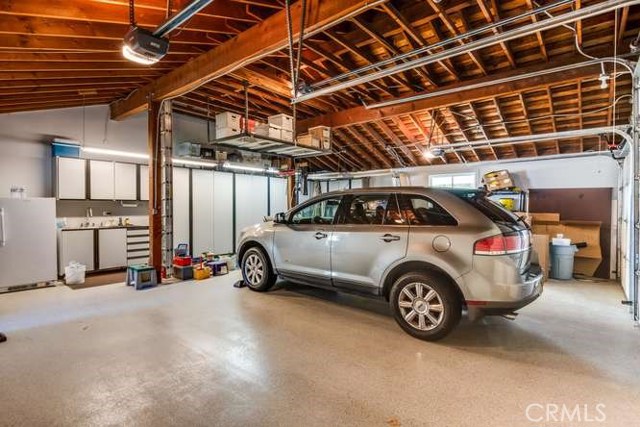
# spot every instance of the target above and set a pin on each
(25, 153)
(578, 172)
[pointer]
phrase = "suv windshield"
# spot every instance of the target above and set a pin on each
(491, 209)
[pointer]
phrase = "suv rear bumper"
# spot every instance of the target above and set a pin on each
(528, 289)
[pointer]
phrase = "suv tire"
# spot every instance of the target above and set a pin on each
(256, 270)
(425, 305)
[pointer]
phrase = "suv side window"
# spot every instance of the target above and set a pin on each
(370, 209)
(320, 212)
(420, 210)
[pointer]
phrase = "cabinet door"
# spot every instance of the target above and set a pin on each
(112, 248)
(202, 214)
(144, 182)
(71, 178)
(76, 245)
(126, 181)
(101, 180)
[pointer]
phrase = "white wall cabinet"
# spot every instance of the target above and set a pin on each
(76, 245)
(144, 182)
(112, 248)
(101, 180)
(222, 212)
(71, 178)
(126, 181)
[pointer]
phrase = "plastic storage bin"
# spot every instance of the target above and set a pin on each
(562, 261)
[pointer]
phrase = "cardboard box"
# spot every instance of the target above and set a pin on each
(227, 119)
(540, 243)
(282, 121)
(497, 180)
(323, 135)
(261, 129)
(274, 132)
(286, 135)
(306, 140)
(588, 259)
(226, 132)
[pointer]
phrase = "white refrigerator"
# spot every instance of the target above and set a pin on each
(28, 251)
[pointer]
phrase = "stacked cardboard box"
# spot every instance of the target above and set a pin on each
(227, 124)
(498, 180)
(587, 259)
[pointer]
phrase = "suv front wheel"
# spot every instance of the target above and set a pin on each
(256, 270)
(425, 305)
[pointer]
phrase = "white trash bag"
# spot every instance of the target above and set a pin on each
(74, 273)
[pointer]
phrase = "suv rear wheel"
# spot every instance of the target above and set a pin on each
(425, 305)
(256, 270)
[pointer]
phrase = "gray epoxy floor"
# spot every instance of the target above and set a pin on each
(206, 353)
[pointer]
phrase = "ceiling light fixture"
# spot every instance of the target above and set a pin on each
(116, 153)
(433, 153)
(604, 81)
(143, 47)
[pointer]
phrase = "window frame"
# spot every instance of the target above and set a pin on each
(452, 176)
(311, 202)
(409, 196)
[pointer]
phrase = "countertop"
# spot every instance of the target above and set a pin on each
(129, 227)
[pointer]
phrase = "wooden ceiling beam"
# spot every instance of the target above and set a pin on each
(396, 141)
(49, 106)
(38, 43)
(262, 39)
(355, 151)
(113, 11)
(413, 36)
(480, 126)
(370, 145)
(490, 19)
(392, 50)
(462, 130)
(539, 36)
(364, 114)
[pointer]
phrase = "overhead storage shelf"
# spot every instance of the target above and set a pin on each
(266, 145)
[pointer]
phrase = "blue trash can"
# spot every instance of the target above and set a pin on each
(562, 261)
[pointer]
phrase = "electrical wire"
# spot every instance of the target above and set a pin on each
(132, 14)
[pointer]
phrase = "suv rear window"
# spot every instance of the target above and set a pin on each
(489, 208)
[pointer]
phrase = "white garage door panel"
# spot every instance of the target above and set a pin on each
(180, 206)
(251, 200)
(202, 194)
(222, 212)
(338, 185)
(278, 193)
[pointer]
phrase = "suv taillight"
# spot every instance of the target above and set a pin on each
(502, 244)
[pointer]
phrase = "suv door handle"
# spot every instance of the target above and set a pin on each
(390, 238)
(320, 235)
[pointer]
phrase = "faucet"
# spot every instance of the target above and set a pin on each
(88, 214)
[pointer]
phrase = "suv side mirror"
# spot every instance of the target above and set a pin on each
(280, 218)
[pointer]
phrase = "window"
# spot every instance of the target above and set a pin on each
(321, 212)
(371, 209)
(459, 180)
(489, 208)
(419, 210)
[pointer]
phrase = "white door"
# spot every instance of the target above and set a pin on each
(222, 212)
(251, 201)
(277, 195)
(101, 180)
(71, 178)
(144, 182)
(202, 195)
(112, 248)
(76, 245)
(181, 213)
(126, 181)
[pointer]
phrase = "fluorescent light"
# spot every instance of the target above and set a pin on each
(194, 163)
(433, 153)
(603, 81)
(232, 166)
(178, 161)
(128, 53)
(118, 153)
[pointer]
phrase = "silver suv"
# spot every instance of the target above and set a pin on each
(429, 252)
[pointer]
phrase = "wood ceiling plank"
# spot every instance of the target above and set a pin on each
(364, 114)
(265, 38)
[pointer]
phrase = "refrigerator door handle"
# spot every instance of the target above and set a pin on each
(3, 232)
